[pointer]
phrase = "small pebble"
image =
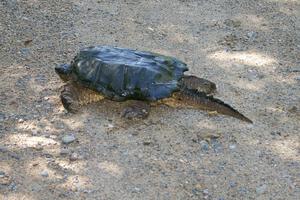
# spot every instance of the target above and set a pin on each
(253, 75)
(261, 189)
(12, 186)
(136, 189)
(243, 190)
(2, 174)
(147, 142)
(206, 192)
(252, 35)
(110, 126)
(232, 184)
(232, 23)
(52, 136)
(64, 151)
(67, 139)
(25, 51)
(2, 117)
(74, 157)
(294, 69)
(232, 146)
(44, 173)
(34, 132)
(216, 145)
(21, 120)
(204, 145)
(140, 156)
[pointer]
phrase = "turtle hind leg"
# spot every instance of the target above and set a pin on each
(196, 99)
(136, 110)
(199, 84)
(73, 96)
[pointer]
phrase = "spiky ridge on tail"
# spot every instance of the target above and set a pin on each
(204, 102)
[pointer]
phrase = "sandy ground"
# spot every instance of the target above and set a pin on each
(249, 48)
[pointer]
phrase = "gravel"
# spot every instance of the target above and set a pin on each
(249, 49)
(252, 35)
(261, 189)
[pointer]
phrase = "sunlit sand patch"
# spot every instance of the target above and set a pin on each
(110, 168)
(177, 34)
(286, 149)
(17, 196)
(77, 166)
(182, 38)
(36, 167)
(246, 58)
(253, 86)
(284, 1)
(28, 125)
(163, 52)
(76, 182)
(76, 122)
(207, 124)
(41, 125)
(253, 22)
(25, 141)
(275, 109)
(36, 87)
(287, 11)
(291, 79)
(5, 167)
(54, 99)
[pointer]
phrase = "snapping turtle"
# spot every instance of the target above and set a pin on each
(121, 74)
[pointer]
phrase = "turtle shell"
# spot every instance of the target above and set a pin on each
(121, 74)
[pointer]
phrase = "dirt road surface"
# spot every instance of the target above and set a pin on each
(249, 48)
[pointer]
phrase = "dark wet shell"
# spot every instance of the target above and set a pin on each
(122, 74)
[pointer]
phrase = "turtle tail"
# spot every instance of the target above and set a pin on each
(202, 101)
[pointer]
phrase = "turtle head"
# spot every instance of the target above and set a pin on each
(64, 71)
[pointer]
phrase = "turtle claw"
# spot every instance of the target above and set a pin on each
(69, 104)
(137, 110)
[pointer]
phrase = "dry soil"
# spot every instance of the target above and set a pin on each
(249, 48)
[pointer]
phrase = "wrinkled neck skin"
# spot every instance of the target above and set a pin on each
(64, 77)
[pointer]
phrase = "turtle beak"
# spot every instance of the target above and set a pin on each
(62, 69)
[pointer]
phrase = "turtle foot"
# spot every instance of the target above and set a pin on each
(69, 99)
(136, 110)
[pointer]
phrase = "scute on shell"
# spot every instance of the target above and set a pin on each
(121, 74)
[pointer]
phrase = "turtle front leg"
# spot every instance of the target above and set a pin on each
(136, 110)
(199, 84)
(73, 96)
(69, 98)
